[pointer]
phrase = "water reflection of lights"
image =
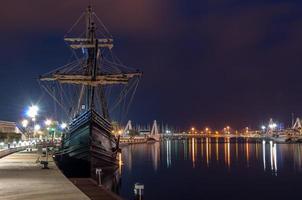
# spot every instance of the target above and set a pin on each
(263, 154)
(120, 163)
(236, 146)
(185, 150)
(201, 149)
(247, 153)
(227, 152)
(193, 152)
(217, 150)
(273, 152)
(155, 154)
(168, 153)
(210, 149)
(207, 151)
(272, 158)
(296, 152)
(257, 151)
(275, 157)
(127, 153)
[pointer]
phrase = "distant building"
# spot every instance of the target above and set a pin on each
(9, 131)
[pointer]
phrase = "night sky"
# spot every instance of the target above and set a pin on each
(215, 62)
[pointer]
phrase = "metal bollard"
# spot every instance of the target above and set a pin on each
(138, 191)
(99, 173)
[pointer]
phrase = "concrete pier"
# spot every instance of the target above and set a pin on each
(22, 178)
(93, 191)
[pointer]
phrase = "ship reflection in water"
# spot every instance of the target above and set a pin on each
(212, 168)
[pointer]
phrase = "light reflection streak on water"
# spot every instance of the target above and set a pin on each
(207, 151)
(193, 152)
(273, 152)
(263, 154)
(166, 150)
(236, 149)
(201, 150)
(210, 149)
(185, 149)
(120, 163)
(155, 153)
(285, 161)
(297, 157)
(229, 152)
(168, 153)
(225, 150)
(176, 148)
(128, 157)
(217, 150)
(247, 153)
(275, 157)
(257, 151)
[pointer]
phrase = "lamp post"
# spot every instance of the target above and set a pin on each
(63, 126)
(32, 112)
(24, 124)
(228, 129)
(37, 127)
(263, 128)
(207, 130)
(48, 123)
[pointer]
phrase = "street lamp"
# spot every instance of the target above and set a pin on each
(207, 129)
(37, 127)
(263, 128)
(228, 129)
(32, 111)
(48, 122)
(247, 130)
(24, 123)
(63, 126)
(272, 126)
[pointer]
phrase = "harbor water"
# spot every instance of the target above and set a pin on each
(212, 168)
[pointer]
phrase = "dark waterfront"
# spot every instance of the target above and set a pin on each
(212, 168)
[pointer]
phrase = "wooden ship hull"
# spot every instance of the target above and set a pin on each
(87, 145)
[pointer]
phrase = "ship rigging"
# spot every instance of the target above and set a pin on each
(88, 81)
(83, 89)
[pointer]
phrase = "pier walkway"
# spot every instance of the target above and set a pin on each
(22, 178)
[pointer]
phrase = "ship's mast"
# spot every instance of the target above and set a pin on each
(90, 57)
(89, 76)
(92, 62)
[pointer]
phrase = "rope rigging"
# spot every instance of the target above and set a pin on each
(113, 84)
